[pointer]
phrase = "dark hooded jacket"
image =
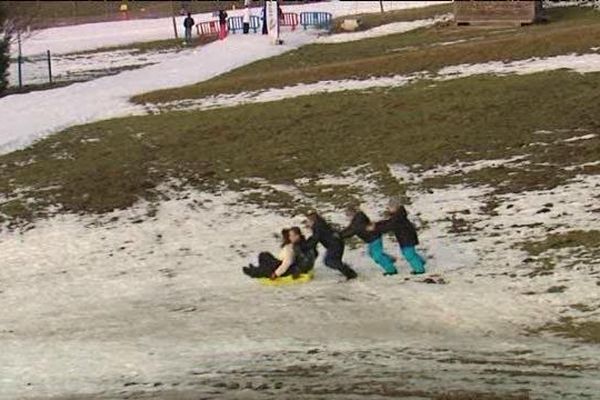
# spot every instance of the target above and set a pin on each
(188, 22)
(358, 227)
(403, 229)
(305, 256)
(222, 17)
(323, 233)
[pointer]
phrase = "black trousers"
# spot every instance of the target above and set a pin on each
(333, 259)
(267, 264)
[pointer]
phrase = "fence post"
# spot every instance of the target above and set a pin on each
(49, 67)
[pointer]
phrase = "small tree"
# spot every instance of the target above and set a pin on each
(4, 49)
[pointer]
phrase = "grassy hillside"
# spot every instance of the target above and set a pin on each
(111, 164)
(570, 30)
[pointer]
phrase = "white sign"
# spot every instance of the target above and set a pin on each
(273, 21)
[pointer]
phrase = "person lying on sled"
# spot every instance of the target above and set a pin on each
(294, 258)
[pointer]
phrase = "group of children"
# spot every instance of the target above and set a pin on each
(298, 254)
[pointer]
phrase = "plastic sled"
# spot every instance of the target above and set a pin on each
(287, 280)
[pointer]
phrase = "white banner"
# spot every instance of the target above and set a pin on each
(273, 21)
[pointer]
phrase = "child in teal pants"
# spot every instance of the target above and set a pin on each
(405, 233)
(358, 227)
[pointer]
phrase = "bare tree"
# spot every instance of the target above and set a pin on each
(4, 48)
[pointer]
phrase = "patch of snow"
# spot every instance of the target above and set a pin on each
(578, 138)
(584, 165)
(69, 67)
(38, 114)
(404, 174)
(138, 296)
(579, 63)
(275, 94)
(383, 30)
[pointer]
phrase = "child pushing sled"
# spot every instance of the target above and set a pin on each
(405, 232)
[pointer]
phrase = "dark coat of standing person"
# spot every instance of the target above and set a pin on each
(222, 24)
(324, 234)
(188, 24)
(265, 28)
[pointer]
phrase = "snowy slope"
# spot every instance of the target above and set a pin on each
(164, 301)
(36, 114)
(91, 36)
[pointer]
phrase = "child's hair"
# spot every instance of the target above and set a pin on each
(352, 209)
(312, 216)
(298, 232)
(396, 205)
(285, 237)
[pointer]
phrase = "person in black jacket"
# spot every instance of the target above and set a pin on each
(405, 233)
(333, 243)
(305, 253)
(358, 226)
(188, 24)
(222, 24)
(265, 28)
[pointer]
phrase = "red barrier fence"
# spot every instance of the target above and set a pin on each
(208, 28)
(289, 19)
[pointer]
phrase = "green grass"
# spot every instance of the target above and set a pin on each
(555, 241)
(572, 30)
(467, 119)
(372, 20)
(152, 46)
(568, 327)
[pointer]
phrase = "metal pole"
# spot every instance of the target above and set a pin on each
(174, 22)
(381, 5)
(49, 67)
(19, 60)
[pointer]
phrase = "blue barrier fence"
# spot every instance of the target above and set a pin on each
(321, 20)
(235, 24)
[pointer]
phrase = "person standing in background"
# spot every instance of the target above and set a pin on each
(222, 24)
(265, 29)
(188, 24)
(246, 20)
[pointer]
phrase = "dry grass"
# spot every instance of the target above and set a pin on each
(372, 20)
(308, 136)
(573, 31)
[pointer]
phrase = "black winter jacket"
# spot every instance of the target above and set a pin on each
(222, 17)
(188, 22)
(358, 227)
(398, 223)
(305, 256)
(323, 233)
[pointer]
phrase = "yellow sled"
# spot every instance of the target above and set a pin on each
(287, 280)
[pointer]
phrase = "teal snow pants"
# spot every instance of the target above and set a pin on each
(417, 263)
(382, 259)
